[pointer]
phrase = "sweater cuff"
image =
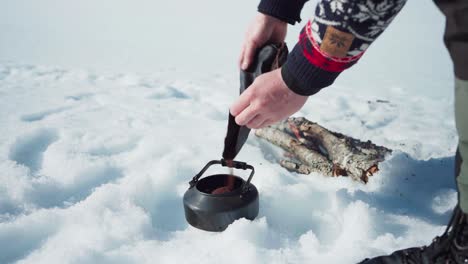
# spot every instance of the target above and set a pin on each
(308, 69)
(288, 11)
(304, 78)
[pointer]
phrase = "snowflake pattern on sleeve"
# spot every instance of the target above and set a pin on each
(365, 19)
(334, 40)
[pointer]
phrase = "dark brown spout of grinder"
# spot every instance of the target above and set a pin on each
(268, 58)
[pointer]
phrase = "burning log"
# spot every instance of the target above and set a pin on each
(314, 148)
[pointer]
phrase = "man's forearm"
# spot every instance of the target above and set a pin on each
(288, 11)
(334, 40)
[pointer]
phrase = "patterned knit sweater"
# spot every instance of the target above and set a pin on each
(334, 40)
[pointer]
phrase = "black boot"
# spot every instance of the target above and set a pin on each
(451, 247)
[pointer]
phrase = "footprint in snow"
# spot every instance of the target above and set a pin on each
(114, 149)
(48, 193)
(33, 117)
(79, 97)
(169, 92)
(28, 150)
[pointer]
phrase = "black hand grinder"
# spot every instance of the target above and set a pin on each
(205, 206)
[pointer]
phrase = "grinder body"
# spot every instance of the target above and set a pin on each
(268, 58)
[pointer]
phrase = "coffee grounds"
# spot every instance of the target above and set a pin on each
(221, 190)
(230, 181)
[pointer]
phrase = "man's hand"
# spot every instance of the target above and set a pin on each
(264, 29)
(267, 101)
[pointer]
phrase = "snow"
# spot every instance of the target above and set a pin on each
(97, 146)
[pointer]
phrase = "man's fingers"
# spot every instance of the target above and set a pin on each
(242, 103)
(248, 114)
(266, 123)
(241, 57)
(249, 53)
(256, 122)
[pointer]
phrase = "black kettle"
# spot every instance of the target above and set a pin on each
(215, 212)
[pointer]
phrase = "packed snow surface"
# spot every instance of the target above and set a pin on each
(94, 162)
(94, 169)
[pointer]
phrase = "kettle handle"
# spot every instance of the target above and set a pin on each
(224, 163)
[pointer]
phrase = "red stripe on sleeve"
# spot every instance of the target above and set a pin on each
(315, 56)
